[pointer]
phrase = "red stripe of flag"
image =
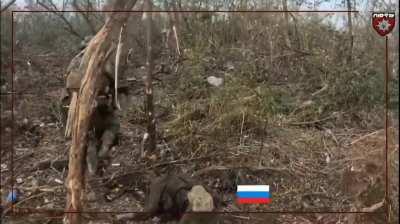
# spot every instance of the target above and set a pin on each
(254, 200)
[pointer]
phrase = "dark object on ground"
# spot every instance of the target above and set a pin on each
(176, 198)
(168, 196)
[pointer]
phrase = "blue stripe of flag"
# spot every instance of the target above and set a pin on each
(254, 194)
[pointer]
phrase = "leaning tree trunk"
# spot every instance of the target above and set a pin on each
(99, 49)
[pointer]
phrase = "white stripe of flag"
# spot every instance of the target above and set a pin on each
(254, 188)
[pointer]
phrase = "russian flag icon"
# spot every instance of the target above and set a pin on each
(253, 194)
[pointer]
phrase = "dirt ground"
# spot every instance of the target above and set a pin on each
(309, 168)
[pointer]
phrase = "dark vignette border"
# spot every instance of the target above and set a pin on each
(58, 212)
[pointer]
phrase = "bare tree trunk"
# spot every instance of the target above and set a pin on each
(297, 34)
(97, 53)
(148, 82)
(287, 37)
(350, 35)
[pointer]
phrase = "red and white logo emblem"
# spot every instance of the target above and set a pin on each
(383, 23)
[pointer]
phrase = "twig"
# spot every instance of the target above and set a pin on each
(143, 144)
(180, 161)
(333, 136)
(175, 21)
(240, 217)
(224, 168)
(7, 5)
(208, 169)
(325, 87)
(69, 26)
(125, 216)
(45, 212)
(140, 168)
(232, 218)
(41, 188)
(263, 168)
(71, 115)
(241, 129)
(24, 156)
(302, 106)
(57, 164)
(111, 198)
(262, 143)
(85, 16)
(196, 151)
(310, 122)
(365, 136)
(316, 194)
(117, 58)
(20, 202)
(374, 207)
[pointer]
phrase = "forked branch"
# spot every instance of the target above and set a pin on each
(85, 15)
(54, 10)
(7, 5)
